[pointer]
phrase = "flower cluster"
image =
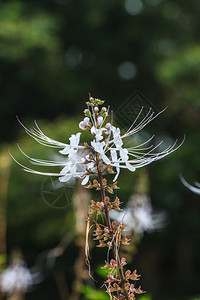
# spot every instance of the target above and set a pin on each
(138, 215)
(113, 281)
(104, 235)
(16, 278)
(112, 236)
(106, 149)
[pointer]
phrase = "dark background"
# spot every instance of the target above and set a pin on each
(52, 54)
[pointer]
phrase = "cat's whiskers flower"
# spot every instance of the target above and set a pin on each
(106, 148)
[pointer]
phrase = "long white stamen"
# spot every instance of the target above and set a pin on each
(94, 116)
(147, 119)
(142, 123)
(144, 143)
(31, 170)
(41, 138)
(41, 161)
(136, 119)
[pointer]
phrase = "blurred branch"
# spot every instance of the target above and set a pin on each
(81, 200)
(4, 175)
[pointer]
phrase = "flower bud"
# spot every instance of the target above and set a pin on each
(100, 120)
(91, 156)
(106, 199)
(108, 127)
(86, 120)
(87, 112)
(82, 125)
(100, 166)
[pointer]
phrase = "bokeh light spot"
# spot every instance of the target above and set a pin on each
(172, 10)
(73, 56)
(133, 7)
(166, 47)
(127, 70)
(153, 2)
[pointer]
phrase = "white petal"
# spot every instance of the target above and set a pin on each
(124, 154)
(105, 159)
(98, 146)
(118, 143)
(73, 169)
(82, 125)
(86, 120)
(100, 120)
(73, 156)
(65, 170)
(116, 176)
(66, 150)
(130, 167)
(85, 180)
(108, 127)
(65, 178)
(99, 137)
(75, 139)
(93, 130)
(116, 132)
(90, 165)
(113, 155)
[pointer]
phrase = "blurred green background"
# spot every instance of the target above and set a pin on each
(52, 53)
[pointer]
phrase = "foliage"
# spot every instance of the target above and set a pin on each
(91, 293)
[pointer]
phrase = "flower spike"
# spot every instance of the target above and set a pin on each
(90, 161)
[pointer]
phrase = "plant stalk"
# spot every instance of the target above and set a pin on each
(106, 210)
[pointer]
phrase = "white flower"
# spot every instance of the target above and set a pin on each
(100, 120)
(83, 124)
(16, 278)
(71, 166)
(74, 141)
(99, 147)
(115, 162)
(138, 215)
(108, 127)
(124, 158)
(117, 140)
(194, 189)
(108, 142)
(98, 133)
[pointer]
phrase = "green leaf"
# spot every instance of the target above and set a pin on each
(92, 294)
(145, 297)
